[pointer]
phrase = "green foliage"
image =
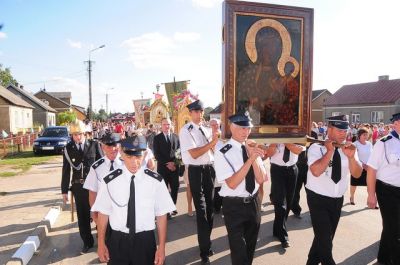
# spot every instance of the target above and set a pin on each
(65, 118)
(101, 115)
(207, 113)
(6, 77)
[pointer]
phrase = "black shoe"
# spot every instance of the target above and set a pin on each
(210, 252)
(174, 213)
(205, 260)
(86, 249)
(297, 215)
(285, 244)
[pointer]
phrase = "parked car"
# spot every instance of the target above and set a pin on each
(53, 139)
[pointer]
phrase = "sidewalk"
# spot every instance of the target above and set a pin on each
(26, 201)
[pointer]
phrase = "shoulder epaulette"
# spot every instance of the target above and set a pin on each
(153, 174)
(388, 137)
(226, 148)
(98, 163)
(190, 127)
(113, 175)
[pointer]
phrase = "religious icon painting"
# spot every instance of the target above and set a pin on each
(267, 51)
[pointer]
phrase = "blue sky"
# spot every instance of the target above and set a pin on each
(45, 43)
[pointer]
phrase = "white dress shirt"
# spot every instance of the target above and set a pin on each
(151, 199)
(228, 164)
(385, 159)
(98, 171)
(190, 137)
(149, 155)
(277, 158)
(323, 184)
(364, 151)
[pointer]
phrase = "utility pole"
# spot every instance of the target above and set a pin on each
(90, 108)
(90, 88)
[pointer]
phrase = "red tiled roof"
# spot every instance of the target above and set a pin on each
(380, 92)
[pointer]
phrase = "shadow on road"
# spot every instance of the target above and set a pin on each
(364, 256)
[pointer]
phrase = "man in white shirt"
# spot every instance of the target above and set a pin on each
(383, 180)
(197, 143)
(240, 170)
(328, 178)
(130, 199)
(109, 162)
(284, 173)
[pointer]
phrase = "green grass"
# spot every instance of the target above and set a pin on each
(8, 174)
(22, 162)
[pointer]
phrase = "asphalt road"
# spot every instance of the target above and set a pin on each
(356, 241)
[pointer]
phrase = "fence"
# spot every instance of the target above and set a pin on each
(16, 144)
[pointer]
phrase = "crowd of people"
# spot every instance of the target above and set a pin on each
(127, 182)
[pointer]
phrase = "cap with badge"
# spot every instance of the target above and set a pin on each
(395, 117)
(196, 105)
(341, 121)
(110, 138)
(134, 145)
(241, 119)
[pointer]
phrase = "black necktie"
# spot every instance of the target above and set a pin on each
(112, 165)
(336, 167)
(202, 132)
(131, 220)
(286, 155)
(168, 140)
(80, 148)
(250, 178)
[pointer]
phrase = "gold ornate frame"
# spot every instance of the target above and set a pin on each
(269, 15)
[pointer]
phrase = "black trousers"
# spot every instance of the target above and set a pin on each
(325, 215)
(217, 199)
(283, 183)
(242, 221)
(301, 179)
(389, 203)
(171, 179)
(137, 251)
(201, 180)
(81, 196)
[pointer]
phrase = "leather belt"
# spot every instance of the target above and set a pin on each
(78, 181)
(245, 200)
(201, 166)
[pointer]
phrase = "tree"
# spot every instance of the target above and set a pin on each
(66, 117)
(101, 115)
(6, 77)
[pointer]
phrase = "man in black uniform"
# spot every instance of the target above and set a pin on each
(79, 154)
(164, 147)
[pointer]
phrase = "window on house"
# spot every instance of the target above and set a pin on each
(335, 113)
(355, 118)
(376, 116)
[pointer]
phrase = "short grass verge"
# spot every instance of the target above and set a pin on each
(20, 163)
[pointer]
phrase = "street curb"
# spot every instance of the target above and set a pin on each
(26, 251)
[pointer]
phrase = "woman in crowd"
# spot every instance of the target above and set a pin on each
(364, 149)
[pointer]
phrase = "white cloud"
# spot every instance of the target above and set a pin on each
(206, 3)
(3, 35)
(74, 44)
(155, 50)
(186, 36)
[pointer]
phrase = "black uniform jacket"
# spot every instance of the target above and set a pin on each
(163, 152)
(91, 153)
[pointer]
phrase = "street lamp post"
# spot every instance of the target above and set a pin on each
(107, 99)
(90, 81)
